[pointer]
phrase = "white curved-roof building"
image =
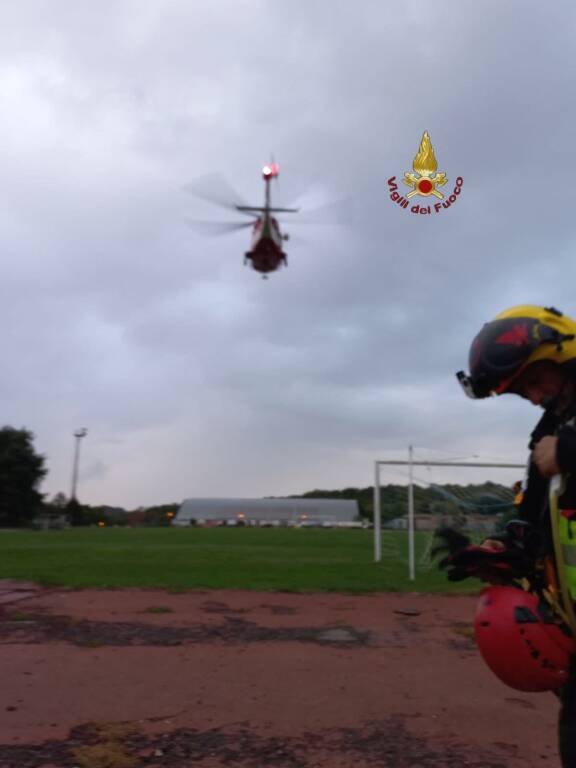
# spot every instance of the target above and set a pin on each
(282, 511)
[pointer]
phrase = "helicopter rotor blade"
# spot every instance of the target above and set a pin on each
(326, 212)
(214, 189)
(216, 228)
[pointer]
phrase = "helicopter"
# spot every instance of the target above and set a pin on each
(266, 252)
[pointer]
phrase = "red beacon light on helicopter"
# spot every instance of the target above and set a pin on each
(270, 171)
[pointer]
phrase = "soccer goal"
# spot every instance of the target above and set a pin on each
(435, 497)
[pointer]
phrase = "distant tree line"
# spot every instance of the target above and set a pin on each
(22, 504)
(484, 498)
(22, 471)
(62, 510)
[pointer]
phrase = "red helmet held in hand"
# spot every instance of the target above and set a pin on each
(520, 641)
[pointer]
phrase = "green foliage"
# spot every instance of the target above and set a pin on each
(55, 509)
(21, 472)
(75, 513)
(160, 515)
(58, 502)
(489, 498)
(86, 514)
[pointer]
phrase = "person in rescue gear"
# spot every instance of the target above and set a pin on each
(525, 625)
(529, 351)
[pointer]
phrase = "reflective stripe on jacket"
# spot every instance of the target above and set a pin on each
(567, 535)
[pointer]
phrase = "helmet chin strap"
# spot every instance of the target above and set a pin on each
(566, 396)
(563, 401)
(550, 403)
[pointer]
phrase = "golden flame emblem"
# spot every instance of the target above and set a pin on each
(425, 165)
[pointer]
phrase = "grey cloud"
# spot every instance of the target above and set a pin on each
(192, 374)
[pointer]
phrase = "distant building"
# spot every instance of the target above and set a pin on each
(421, 523)
(289, 512)
(50, 522)
(137, 517)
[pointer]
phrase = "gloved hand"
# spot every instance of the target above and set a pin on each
(463, 559)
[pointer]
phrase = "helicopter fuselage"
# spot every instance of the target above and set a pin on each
(266, 253)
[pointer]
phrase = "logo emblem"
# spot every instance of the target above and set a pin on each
(425, 165)
(425, 181)
(517, 336)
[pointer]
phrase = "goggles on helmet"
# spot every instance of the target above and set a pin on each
(501, 351)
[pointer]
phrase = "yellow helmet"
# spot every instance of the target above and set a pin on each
(511, 342)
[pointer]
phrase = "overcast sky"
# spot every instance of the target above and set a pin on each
(195, 377)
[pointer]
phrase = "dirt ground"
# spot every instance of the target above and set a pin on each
(127, 678)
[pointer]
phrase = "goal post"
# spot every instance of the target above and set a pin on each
(410, 464)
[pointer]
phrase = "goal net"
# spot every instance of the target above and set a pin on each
(416, 496)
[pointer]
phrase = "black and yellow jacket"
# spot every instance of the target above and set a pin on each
(534, 504)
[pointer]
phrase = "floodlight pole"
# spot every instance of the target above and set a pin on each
(79, 434)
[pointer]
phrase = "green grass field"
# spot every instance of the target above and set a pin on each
(301, 560)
